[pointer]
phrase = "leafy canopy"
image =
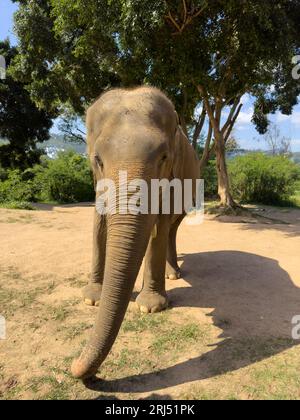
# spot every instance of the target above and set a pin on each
(22, 124)
(72, 50)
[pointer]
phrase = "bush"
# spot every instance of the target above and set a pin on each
(17, 205)
(14, 187)
(3, 174)
(66, 179)
(263, 179)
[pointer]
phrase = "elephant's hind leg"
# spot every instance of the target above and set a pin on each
(172, 268)
(92, 292)
(153, 297)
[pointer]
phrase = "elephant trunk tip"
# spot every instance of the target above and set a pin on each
(83, 369)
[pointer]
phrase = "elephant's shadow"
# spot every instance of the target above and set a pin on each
(254, 300)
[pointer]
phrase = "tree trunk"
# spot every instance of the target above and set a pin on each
(198, 128)
(221, 135)
(223, 178)
(206, 152)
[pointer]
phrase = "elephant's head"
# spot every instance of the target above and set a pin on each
(135, 131)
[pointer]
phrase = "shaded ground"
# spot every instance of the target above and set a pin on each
(227, 334)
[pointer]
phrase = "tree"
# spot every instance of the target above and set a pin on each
(22, 124)
(198, 52)
(277, 144)
(232, 143)
(70, 126)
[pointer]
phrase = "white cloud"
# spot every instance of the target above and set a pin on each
(245, 117)
(292, 119)
(296, 118)
(281, 117)
(246, 99)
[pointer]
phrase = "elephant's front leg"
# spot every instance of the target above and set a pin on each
(153, 297)
(172, 268)
(92, 292)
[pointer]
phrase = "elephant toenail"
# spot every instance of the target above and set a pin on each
(88, 302)
(155, 309)
(144, 310)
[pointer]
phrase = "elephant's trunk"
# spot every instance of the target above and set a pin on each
(127, 240)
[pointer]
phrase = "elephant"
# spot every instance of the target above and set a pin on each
(138, 131)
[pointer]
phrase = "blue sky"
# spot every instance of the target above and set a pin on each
(244, 130)
(7, 8)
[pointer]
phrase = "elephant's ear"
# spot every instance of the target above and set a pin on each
(179, 151)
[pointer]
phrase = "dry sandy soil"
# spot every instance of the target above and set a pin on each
(226, 335)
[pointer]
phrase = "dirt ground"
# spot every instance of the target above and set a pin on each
(227, 334)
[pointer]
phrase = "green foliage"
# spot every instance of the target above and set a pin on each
(16, 188)
(263, 179)
(210, 180)
(72, 50)
(22, 124)
(296, 197)
(66, 179)
(17, 205)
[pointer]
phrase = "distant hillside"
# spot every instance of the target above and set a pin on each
(296, 157)
(243, 152)
(57, 144)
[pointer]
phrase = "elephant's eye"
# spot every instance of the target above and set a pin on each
(99, 162)
(164, 158)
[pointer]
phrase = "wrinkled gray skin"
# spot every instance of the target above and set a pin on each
(137, 131)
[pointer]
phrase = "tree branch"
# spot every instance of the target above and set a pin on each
(185, 10)
(208, 107)
(198, 13)
(199, 127)
(207, 150)
(170, 17)
(187, 19)
(230, 128)
(231, 114)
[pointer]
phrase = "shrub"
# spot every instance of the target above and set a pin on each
(263, 179)
(17, 205)
(14, 187)
(66, 179)
(3, 174)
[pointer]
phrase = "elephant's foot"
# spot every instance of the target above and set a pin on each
(172, 273)
(92, 293)
(151, 302)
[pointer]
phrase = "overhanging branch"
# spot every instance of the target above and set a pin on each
(188, 16)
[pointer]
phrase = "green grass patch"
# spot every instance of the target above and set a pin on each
(50, 388)
(178, 338)
(127, 362)
(140, 322)
(76, 282)
(60, 313)
(74, 331)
